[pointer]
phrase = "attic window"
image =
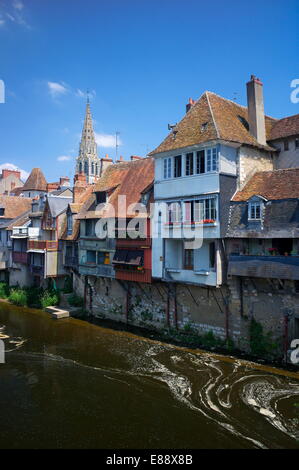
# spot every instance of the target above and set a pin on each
(244, 122)
(101, 197)
(204, 126)
(254, 211)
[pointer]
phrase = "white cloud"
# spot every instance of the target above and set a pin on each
(11, 166)
(2, 22)
(56, 89)
(64, 158)
(106, 140)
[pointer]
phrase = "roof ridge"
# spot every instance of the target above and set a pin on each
(211, 111)
(237, 104)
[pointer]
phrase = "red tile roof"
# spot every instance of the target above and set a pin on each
(14, 206)
(285, 127)
(272, 185)
(213, 117)
(35, 181)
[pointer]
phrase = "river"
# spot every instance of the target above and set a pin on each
(71, 384)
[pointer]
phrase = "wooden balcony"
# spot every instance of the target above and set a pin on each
(144, 275)
(271, 267)
(98, 270)
(42, 245)
(20, 257)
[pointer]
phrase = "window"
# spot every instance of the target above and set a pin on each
(103, 257)
(167, 168)
(254, 211)
(178, 166)
(189, 164)
(2, 210)
(200, 162)
(189, 259)
(211, 160)
(91, 257)
(174, 212)
(201, 210)
(86, 168)
(88, 227)
(69, 223)
(101, 197)
(92, 168)
(286, 145)
(297, 143)
(210, 209)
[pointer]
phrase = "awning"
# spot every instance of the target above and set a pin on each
(128, 257)
(120, 257)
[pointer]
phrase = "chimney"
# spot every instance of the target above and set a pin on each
(105, 162)
(80, 186)
(190, 104)
(135, 157)
(121, 159)
(6, 173)
(64, 181)
(256, 114)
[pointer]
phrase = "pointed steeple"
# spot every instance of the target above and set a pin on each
(88, 161)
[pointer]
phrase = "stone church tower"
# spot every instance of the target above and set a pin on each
(88, 162)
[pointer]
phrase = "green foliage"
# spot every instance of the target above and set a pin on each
(34, 295)
(76, 301)
(4, 290)
(68, 285)
(18, 297)
(146, 315)
(261, 344)
(49, 298)
(209, 340)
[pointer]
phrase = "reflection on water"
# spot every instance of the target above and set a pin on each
(72, 384)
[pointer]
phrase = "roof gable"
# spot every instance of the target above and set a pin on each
(35, 181)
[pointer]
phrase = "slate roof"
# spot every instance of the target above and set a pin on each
(58, 204)
(213, 117)
(280, 220)
(35, 181)
(285, 127)
(277, 184)
(14, 206)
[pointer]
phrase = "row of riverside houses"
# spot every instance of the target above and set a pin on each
(206, 237)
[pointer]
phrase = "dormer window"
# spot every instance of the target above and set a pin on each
(101, 197)
(254, 211)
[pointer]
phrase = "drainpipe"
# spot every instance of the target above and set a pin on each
(287, 315)
(167, 307)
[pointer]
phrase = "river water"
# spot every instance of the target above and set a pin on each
(70, 384)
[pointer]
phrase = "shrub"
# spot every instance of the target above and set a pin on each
(261, 344)
(49, 298)
(209, 340)
(18, 297)
(68, 285)
(76, 301)
(34, 295)
(4, 290)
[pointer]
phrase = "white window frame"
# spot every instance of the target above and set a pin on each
(212, 160)
(167, 168)
(252, 207)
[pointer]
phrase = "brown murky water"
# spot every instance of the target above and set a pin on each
(70, 384)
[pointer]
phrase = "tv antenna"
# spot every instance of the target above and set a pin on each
(117, 133)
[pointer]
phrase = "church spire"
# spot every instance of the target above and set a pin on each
(88, 161)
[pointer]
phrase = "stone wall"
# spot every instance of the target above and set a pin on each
(252, 160)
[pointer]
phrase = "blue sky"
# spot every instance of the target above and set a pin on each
(141, 60)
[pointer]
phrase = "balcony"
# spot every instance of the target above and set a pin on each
(144, 275)
(42, 245)
(25, 232)
(100, 270)
(71, 261)
(271, 267)
(39, 270)
(87, 243)
(20, 257)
